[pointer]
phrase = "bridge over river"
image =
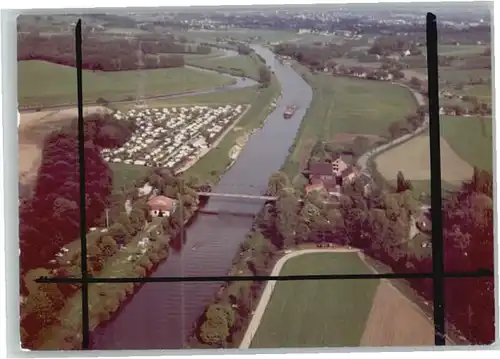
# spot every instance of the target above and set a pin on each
(238, 196)
(161, 315)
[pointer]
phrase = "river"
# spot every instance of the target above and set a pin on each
(160, 315)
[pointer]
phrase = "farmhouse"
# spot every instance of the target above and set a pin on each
(161, 206)
(330, 176)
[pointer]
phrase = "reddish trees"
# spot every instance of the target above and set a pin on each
(51, 218)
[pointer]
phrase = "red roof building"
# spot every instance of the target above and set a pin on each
(161, 206)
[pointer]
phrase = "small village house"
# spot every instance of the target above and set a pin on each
(161, 206)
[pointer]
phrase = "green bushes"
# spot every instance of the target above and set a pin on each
(49, 316)
(219, 319)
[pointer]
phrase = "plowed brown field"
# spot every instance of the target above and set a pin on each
(396, 321)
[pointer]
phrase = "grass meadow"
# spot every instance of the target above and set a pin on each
(43, 84)
(318, 313)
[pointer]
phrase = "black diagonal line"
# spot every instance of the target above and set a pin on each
(481, 273)
(436, 202)
(81, 164)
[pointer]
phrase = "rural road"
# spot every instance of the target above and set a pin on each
(362, 161)
(268, 291)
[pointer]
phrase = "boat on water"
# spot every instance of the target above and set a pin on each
(289, 111)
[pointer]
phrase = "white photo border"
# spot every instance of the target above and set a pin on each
(9, 191)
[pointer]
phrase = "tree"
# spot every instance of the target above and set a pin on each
(264, 75)
(402, 184)
(415, 82)
(287, 207)
(414, 120)
(392, 209)
(395, 129)
(126, 226)
(137, 219)
(108, 246)
(277, 182)
(378, 229)
(359, 145)
(218, 321)
(102, 101)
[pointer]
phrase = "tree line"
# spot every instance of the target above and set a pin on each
(119, 54)
(56, 190)
(377, 222)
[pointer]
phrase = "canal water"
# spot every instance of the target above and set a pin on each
(161, 315)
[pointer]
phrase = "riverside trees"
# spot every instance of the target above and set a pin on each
(379, 224)
(50, 221)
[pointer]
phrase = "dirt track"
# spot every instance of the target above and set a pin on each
(413, 159)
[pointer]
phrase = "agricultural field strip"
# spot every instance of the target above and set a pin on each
(363, 159)
(268, 290)
(171, 135)
(192, 80)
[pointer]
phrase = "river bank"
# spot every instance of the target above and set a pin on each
(210, 240)
(140, 257)
(216, 162)
(232, 290)
(216, 143)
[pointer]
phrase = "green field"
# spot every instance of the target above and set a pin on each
(471, 138)
(125, 175)
(482, 92)
(213, 164)
(466, 137)
(239, 35)
(348, 105)
(239, 96)
(310, 38)
(461, 50)
(318, 313)
(246, 65)
(197, 57)
(125, 31)
(42, 83)
(455, 76)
